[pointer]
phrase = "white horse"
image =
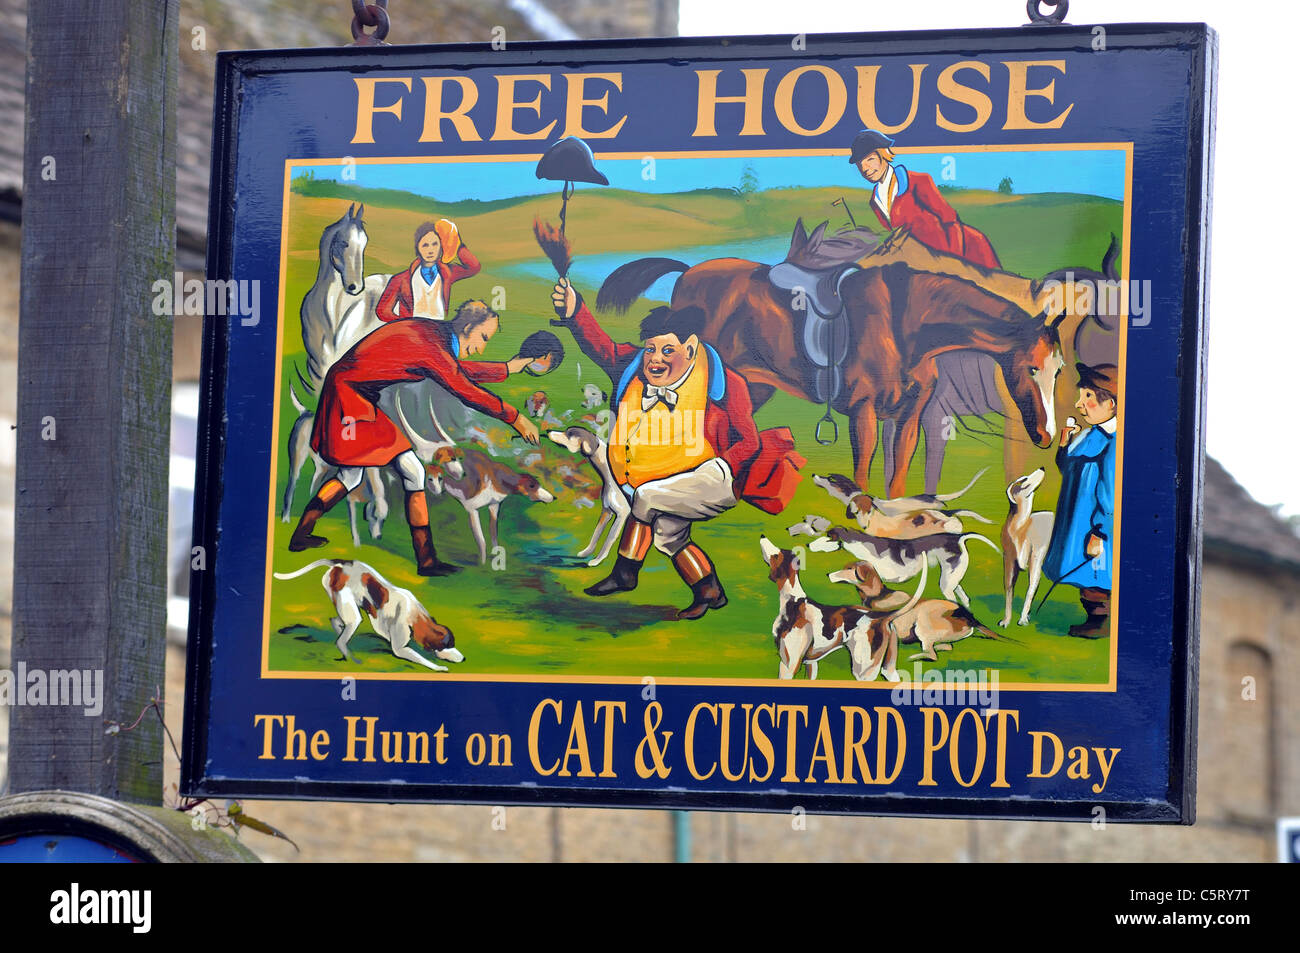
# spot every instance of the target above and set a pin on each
(339, 309)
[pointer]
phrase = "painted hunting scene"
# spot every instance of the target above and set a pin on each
(702, 416)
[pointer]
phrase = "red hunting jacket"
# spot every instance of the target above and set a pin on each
(351, 431)
(765, 464)
(921, 207)
(398, 301)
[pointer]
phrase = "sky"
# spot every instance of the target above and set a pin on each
(1254, 323)
(1092, 172)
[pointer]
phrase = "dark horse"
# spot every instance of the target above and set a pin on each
(902, 323)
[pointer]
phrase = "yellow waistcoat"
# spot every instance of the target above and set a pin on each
(649, 446)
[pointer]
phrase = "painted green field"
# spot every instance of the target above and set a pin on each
(530, 616)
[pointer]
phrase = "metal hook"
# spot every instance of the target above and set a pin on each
(1038, 18)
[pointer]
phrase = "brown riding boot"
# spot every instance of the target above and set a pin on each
(1096, 602)
(697, 572)
(632, 550)
(426, 556)
(320, 504)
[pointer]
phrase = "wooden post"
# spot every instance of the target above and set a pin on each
(94, 389)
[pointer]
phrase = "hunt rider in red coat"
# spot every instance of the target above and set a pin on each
(683, 447)
(904, 199)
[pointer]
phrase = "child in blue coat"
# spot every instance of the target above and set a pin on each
(1082, 550)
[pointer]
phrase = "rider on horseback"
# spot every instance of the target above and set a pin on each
(903, 199)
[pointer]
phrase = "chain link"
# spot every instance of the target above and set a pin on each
(370, 15)
(1038, 18)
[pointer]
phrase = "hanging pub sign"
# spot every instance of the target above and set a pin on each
(753, 424)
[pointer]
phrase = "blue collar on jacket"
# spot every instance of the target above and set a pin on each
(717, 376)
(901, 175)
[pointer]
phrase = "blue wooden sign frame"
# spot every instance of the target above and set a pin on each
(1117, 124)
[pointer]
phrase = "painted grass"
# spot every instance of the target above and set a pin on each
(530, 617)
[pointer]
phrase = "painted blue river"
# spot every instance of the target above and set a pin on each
(589, 271)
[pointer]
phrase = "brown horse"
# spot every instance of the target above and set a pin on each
(901, 322)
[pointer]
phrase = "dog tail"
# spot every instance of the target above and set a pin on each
(965, 536)
(306, 569)
(293, 396)
(971, 514)
(916, 596)
(947, 497)
(983, 630)
(911, 603)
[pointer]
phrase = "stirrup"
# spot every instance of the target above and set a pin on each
(835, 430)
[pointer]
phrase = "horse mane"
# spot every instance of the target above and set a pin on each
(818, 251)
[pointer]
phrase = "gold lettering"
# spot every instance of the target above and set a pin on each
(867, 98)
(837, 98)
(707, 103)
(981, 747)
(1018, 91)
(933, 716)
(534, 727)
(976, 99)
(690, 740)
(854, 742)
(368, 739)
(268, 723)
(578, 101)
(506, 106)
(434, 113)
(366, 107)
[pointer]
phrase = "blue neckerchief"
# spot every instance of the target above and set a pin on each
(717, 376)
(455, 345)
(428, 272)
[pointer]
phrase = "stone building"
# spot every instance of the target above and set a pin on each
(1249, 759)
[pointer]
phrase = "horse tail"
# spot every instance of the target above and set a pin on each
(293, 396)
(1110, 263)
(628, 282)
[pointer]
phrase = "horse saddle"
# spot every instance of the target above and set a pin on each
(825, 333)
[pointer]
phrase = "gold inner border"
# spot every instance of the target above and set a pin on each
(1109, 686)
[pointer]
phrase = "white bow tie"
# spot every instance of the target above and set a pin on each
(653, 394)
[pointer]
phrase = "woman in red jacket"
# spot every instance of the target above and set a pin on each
(424, 289)
(351, 431)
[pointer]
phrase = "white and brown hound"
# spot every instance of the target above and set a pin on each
(931, 623)
(486, 483)
(898, 560)
(356, 589)
(615, 508)
(907, 517)
(806, 631)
